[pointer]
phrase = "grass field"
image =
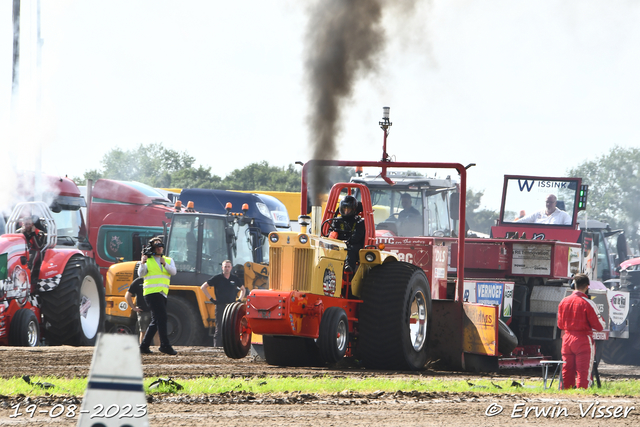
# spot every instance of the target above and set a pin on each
(322, 385)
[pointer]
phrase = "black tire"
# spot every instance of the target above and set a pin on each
(25, 329)
(80, 288)
(507, 340)
(290, 351)
(618, 351)
(184, 327)
(333, 339)
(119, 328)
(236, 333)
(393, 295)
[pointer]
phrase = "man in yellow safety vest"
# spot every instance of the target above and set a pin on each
(157, 270)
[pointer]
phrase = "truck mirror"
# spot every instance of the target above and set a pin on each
(55, 207)
(454, 206)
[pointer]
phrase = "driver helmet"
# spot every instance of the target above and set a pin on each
(348, 207)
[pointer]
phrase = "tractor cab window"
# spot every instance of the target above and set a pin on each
(540, 201)
(68, 223)
(183, 244)
(243, 250)
(437, 214)
(214, 248)
(399, 211)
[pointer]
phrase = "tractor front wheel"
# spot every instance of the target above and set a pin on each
(236, 332)
(25, 330)
(395, 317)
(334, 334)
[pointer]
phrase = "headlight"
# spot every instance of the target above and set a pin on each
(264, 210)
(303, 238)
(274, 237)
(370, 257)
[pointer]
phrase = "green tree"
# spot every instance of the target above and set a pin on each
(262, 176)
(479, 220)
(158, 166)
(614, 189)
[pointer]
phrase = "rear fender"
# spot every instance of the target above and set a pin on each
(53, 265)
(379, 257)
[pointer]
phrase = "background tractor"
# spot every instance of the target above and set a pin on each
(198, 243)
(63, 296)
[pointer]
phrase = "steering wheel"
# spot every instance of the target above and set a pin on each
(439, 233)
(328, 224)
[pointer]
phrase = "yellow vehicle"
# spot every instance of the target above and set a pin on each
(198, 243)
(313, 311)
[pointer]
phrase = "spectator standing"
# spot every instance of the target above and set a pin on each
(226, 289)
(578, 317)
(140, 307)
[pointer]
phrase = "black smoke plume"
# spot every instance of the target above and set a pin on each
(344, 40)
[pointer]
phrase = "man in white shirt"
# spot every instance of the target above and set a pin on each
(551, 215)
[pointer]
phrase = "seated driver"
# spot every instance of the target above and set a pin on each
(350, 228)
(36, 239)
(550, 215)
(408, 211)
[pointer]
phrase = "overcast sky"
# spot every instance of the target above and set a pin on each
(516, 87)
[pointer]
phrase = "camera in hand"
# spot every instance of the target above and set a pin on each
(148, 251)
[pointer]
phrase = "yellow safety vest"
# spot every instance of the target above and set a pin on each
(157, 278)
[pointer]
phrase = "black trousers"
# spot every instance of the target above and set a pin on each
(217, 337)
(157, 303)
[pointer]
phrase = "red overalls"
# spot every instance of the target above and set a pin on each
(577, 317)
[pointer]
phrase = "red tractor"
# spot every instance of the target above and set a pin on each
(46, 288)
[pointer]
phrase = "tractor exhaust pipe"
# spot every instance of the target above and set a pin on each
(385, 124)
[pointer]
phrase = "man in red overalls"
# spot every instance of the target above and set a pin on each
(578, 317)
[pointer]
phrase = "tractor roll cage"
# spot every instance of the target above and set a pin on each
(384, 165)
(366, 200)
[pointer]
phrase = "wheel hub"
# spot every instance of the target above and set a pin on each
(418, 320)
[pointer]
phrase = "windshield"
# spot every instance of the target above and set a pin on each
(203, 239)
(183, 243)
(68, 223)
(412, 213)
(539, 201)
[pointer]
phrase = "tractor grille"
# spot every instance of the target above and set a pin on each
(275, 263)
(302, 269)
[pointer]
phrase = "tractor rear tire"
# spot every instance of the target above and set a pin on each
(74, 311)
(236, 333)
(290, 351)
(395, 317)
(618, 351)
(507, 340)
(25, 329)
(184, 327)
(334, 335)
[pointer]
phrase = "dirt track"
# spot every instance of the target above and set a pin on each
(385, 409)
